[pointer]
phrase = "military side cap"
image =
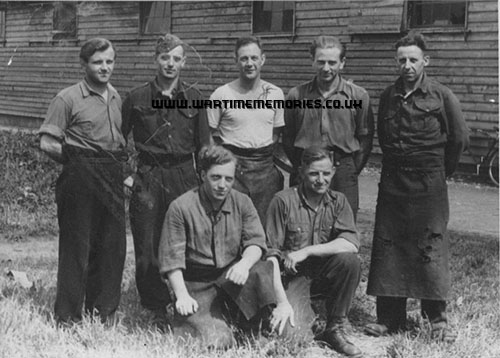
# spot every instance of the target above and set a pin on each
(167, 43)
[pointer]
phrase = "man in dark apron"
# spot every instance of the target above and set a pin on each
(422, 133)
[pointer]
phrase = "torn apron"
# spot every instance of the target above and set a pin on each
(410, 252)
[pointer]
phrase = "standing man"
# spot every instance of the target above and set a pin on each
(210, 251)
(250, 133)
(343, 123)
(422, 134)
(167, 140)
(311, 235)
(82, 131)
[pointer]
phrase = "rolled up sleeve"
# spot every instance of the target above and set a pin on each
(275, 228)
(57, 120)
(252, 231)
(172, 248)
(344, 225)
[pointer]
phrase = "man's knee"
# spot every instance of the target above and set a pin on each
(346, 263)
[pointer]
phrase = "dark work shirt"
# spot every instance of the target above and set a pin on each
(193, 233)
(426, 123)
(176, 131)
(338, 128)
(292, 224)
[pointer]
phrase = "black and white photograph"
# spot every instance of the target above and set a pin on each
(215, 179)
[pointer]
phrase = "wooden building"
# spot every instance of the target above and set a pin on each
(40, 41)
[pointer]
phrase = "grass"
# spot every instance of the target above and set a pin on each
(28, 228)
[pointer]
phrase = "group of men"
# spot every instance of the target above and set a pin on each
(214, 232)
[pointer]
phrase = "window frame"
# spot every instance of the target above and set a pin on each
(274, 33)
(55, 32)
(142, 23)
(434, 28)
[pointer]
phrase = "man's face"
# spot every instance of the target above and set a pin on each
(249, 59)
(100, 66)
(170, 63)
(411, 62)
(316, 177)
(218, 181)
(327, 63)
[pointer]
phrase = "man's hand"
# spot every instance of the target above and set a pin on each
(186, 305)
(294, 258)
(238, 273)
(281, 314)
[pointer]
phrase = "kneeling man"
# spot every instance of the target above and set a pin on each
(210, 250)
(312, 237)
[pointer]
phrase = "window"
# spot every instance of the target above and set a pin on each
(154, 17)
(64, 21)
(436, 13)
(273, 16)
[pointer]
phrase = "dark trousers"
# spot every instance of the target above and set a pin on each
(391, 311)
(92, 243)
(155, 189)
(221, 302)
(334, 279)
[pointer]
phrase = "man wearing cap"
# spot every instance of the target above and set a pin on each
(343, 123)
(422, 134)
(167, 140)
(82, 130)
(250, 133)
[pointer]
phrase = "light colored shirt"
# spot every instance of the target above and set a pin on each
(246, 127)
(81, 117)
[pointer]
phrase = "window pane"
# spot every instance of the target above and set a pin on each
(64, 21)
(438, 13)
(154, 17)
(273, 16)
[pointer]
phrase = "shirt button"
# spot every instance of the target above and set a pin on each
(169, 136)
(168, 123)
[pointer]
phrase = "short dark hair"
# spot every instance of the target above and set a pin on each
(314, 154)
(94, 45)
(327, 42)
(247, 40)
(413, 38)
(211, 155)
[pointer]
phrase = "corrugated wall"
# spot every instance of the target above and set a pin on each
(38, 69)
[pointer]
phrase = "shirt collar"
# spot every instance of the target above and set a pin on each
(313, 86)
(325, 200)
(87, 90)
(207, 205)
(423, 86)
(179, 90)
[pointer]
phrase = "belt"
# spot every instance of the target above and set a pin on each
(71, 151)
(168, 160)
(414, 163)
(266, 151)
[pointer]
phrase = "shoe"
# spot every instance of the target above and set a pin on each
(160, 320)
(441, 332)
(376, 329)
(336, 338)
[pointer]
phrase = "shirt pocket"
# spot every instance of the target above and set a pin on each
(189, 116)
(325, 234)
(297, 236)
(427, 114)
(147, 118)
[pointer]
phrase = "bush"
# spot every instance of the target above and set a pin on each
(27, 186)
